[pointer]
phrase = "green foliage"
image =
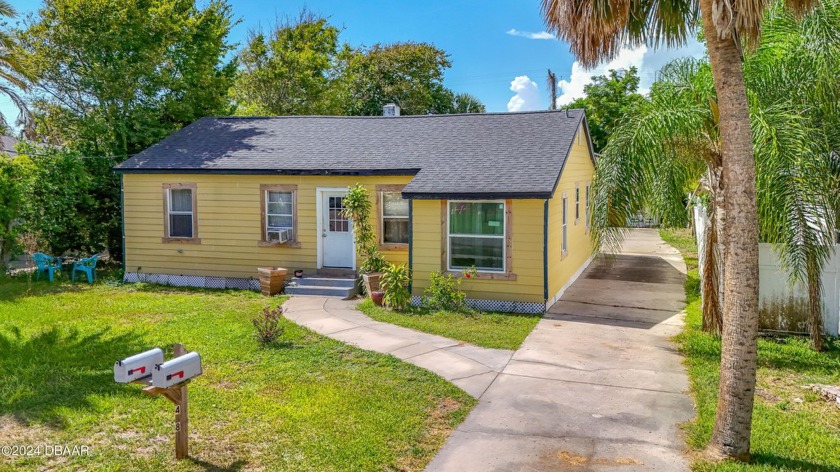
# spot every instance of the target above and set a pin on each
(669, 146)
(787, 434)
(301, 68)
(608, 98)
(268, 325)
(408, 74)
(289, 72)
(444, 293)
(13, 180)
(60, 210)
(317, 404)
(395, 280)
(112, 77)
(120, 75)
(481, 328)
(358, 208)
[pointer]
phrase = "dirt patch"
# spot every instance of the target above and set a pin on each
(576, 460)
(438, 428)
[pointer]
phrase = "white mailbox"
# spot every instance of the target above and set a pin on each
(177, 370)
(137, 366)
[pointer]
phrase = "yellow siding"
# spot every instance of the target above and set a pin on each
(229, 226)
(526, 258)
(578, 172)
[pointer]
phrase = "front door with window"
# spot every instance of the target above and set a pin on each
(336, 231)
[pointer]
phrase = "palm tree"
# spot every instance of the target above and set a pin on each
(678, 123)
(12, 77)
(596, 30)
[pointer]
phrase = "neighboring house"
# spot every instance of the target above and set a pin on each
(507, 193)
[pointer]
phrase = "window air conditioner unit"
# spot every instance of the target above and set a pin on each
(278, 235)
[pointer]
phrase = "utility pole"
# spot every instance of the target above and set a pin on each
(552, 90)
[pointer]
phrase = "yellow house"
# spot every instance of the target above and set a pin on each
(505, 193)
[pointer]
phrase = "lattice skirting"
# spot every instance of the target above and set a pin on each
(501, 306)
(199, 281)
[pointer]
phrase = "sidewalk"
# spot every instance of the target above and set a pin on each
(471, 368)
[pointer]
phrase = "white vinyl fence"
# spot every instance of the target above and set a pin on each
(781, 306)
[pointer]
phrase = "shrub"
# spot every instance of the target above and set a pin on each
(268, 325)
(444, 293)
(395, 282)
(358, 208)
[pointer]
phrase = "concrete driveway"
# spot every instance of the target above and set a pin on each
(597, 385)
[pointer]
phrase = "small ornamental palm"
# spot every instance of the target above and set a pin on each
(597, 30)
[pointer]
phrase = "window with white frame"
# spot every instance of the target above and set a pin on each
(586, 205)
(394, 218)
(180, 213)
(279, 216)
(477, 235)
(577, 204)
(564, 247)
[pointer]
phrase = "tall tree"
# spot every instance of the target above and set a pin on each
(290, 71)
(607, 99)
(112, 77)
(597, 31)
(115, 76)
(408, 74)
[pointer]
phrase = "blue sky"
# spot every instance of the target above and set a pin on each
(494, 46)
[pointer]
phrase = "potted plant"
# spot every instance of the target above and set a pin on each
(358, 208)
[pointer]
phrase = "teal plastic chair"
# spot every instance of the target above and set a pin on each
(45, 263)
(87, 266)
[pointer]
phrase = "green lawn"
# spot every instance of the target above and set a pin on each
(793, 429)
(312, 404)
(494, 330)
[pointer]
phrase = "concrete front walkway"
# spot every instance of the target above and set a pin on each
(597, 385)
(470, 367)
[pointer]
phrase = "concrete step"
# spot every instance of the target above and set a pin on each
(321, 290)
(325, 282)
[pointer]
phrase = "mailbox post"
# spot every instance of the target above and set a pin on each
(168, 379)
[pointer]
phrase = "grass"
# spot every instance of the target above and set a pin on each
(793, 429)
(485, 329)
(309, 404)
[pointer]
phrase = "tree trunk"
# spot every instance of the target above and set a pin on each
(733, 422)
(815, 320)
(711, 308)
(712, 256)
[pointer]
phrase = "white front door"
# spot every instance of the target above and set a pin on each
(336, 231)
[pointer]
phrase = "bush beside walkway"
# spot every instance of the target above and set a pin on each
(793, 428)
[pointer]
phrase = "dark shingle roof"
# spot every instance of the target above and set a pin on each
(469, 155)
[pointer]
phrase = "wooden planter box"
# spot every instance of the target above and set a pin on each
(272, 280)
(371, 282)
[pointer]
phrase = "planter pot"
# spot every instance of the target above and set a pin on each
(371, 282)
(377, 296)
(272, 280)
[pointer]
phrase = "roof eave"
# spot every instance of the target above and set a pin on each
(475, 195)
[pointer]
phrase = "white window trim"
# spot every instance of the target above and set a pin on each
(564, 230)
(291, 214)
(503, 237)
(170, 211)
(383, 217)
(587, 204)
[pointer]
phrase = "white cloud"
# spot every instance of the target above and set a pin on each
(527, 95)
(530, 35)
(647, 61)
